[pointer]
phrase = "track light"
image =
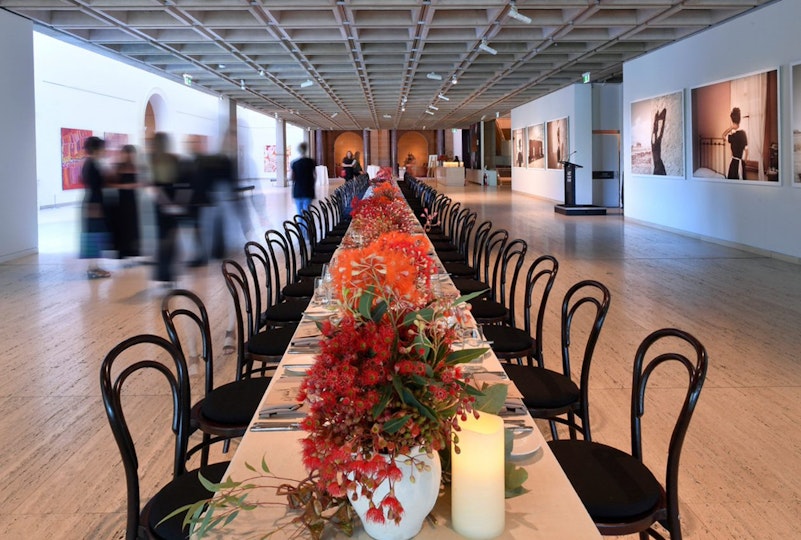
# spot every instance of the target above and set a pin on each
(261, 73)
(444, 97)
(242, 84)
(433, 76)
(387, 116)
(307, 83)
(433, 107)
(513, 13)
(334, 115)
(429, 112)
(486, 48)
(454, 80)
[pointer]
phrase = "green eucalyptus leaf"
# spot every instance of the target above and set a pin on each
(186, 509)
(382, 405)
(463, 356)
(394, 425)
(206, 483)
(231, 517)
(397, 384)
(493, 398)
(264, 466)
(424, 410)
(515, 477)
(470, 389)
(365, 303)
(250, 467)
(468, 297)
(379, 311)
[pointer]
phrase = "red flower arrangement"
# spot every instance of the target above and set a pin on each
(384, 211)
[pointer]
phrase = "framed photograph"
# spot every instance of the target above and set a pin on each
(72, 157)
(519, 147)
(796, 123)
(558, 147)
(657, 135)
(735, 129)
(536, 146)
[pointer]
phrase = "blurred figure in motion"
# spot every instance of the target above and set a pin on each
(125, 218)
(95, 236)
(303, 177)
(171, 198)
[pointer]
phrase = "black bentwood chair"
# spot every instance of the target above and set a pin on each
(185, 487)
(225, 411)
(550, 394)
(619, 491)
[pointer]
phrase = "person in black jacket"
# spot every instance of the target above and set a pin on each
(95, 234)
(303, 177)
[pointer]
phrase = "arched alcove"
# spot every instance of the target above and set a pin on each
(155, 115)
(413, 153)
(348, 140)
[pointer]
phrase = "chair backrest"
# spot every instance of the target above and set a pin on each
(260, 265)
(679, 343)
(540, 277)
(490, 261)
(247, 318)
(595, 297)
(512, 258)
(294, 234)
(182, 304)
(479, 243)
(281, 251)
(174, 370)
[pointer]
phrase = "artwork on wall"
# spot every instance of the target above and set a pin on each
(72, 157)
(657, 135)
(114, 144)
(557, 147)
(270, 160)
(796, 123)
(735, 129)
(536, 146)
(519, 147)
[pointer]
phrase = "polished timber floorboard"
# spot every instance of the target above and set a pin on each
(739, 472)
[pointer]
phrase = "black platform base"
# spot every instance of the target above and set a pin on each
(580, 210)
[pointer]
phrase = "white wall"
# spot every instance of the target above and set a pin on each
(575, 103)
(254, 132)
(77, 88)
(18, 212)
(763, 215)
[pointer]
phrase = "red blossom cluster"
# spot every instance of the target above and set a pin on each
(374, 395)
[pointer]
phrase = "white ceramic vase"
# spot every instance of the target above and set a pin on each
(417, 498)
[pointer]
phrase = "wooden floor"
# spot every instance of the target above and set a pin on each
(740, 468)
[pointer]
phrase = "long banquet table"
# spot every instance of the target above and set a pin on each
(549, 510)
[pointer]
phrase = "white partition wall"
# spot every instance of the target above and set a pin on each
(575, 104)
(761, 215)
(18, 209)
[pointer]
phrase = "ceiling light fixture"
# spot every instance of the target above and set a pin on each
(433, 107)
(433, 76)
(429, 112)
(242, 84)
(483, 117)
(220, 66)
(307, 83)
(261, 73)
(334, 115)
(387, 116)
(513, 13)
(454, 80)
(486, 48)
(444, 97)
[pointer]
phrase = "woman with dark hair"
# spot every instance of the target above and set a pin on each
(347, 166)
(126, 220)
(95, 235)
(739, 146)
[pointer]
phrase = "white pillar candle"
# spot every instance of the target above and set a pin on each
(477, 484)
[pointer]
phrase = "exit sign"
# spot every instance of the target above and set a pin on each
(585, 77)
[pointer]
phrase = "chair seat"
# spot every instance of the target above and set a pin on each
(331, 239)
(459, 269)
(443, 246)
(450, 256)
(286, 312)
(321, 258)
(613, 485)
(467, 285)
(184, 490)
(542, 388)
(487, 309)
(236, 402)
(325, 248)
(311, 270)
(272, 342)
(300, 289)
(506, 339)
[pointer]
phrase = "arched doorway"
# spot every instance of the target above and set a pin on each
(344, 142)
(413, 153)
(155, 116)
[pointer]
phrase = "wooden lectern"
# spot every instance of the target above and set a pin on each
(570, 208)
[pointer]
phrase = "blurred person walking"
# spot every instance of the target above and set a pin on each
(303, 178)
(125, 219)
(169, 196)
(95, 237)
